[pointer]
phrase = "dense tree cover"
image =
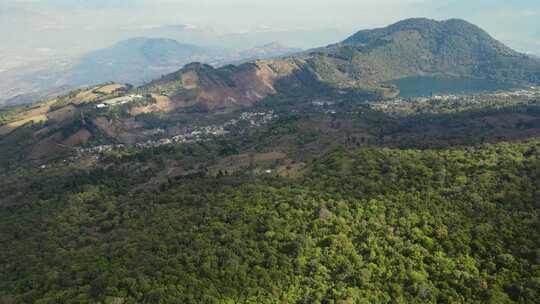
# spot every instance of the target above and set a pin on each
(361, 222)
(480, 103)
(370, 225)
(421, 46)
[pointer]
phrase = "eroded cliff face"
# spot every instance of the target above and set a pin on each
(226, 87)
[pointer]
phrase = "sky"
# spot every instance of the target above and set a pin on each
(54, 28)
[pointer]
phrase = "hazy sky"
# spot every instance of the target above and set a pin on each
(70, 26)
(308, 13)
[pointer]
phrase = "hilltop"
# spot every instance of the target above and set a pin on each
(454, 48)
(359, 69)
(298, 179)
(134, 61)
(369, 61)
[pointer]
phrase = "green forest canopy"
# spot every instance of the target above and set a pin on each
(369, 225)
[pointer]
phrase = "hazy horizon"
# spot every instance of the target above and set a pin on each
(42, 29)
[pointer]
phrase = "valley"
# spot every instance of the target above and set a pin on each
(401, 165)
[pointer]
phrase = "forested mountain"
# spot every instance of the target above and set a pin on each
(368, 60)
(359, 68)
(453, 48)
(302, 179)
(359, 226)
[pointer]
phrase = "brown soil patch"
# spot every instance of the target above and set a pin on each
(162, 104)
(251, 84)
(40, 109)
(79, 138)
(36, 114)
(85, 96)
(270, 156)
(106, 126)
(46, 147)
(236, 87)
(91, 95)
(6, 129)
(291, 170)
(235, 163)
(127, 131)
(110, 88)
(190, 80)
(62, 114)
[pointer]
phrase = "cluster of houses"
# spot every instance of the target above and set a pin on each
(255, 119)
(99, 149)
(501, 98)
(322, 103)
(531, 92)
(198, 134)
(118, 101)
(192, 135)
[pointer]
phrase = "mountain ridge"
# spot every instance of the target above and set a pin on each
(358, 70)
(135, 61)
(454, 47)
(412, 47)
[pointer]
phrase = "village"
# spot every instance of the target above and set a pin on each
(500, 98)
(526, 93)
(193, 134)
(118, 101)
(256, 119)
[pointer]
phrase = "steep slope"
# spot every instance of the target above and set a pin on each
(133, 61)
(357, 69)
(227, 87)
(366, 61)
(453, 48)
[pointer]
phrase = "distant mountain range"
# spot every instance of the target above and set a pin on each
(133, 61)
(367, 62)
(138, 60)
(250, 38)
(362, 68)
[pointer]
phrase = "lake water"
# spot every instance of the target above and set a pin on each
(427, 86)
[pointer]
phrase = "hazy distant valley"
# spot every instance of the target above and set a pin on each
(133, 61)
